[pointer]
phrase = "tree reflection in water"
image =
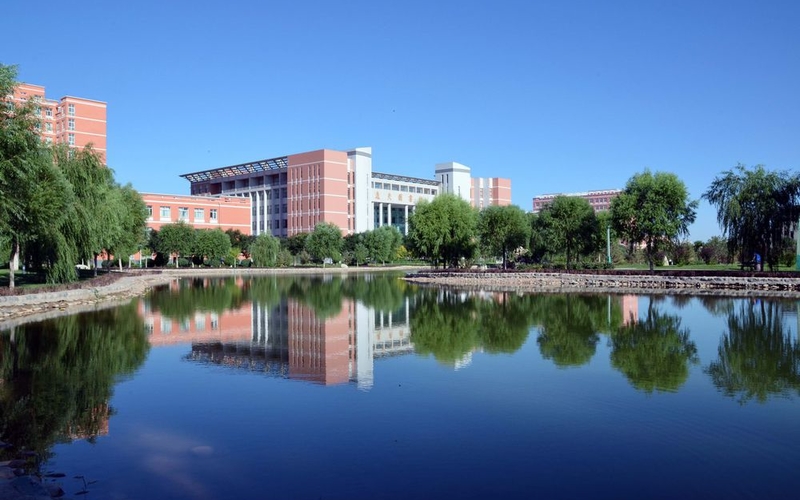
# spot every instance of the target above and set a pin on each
(450, 325)
(655, 353)
(570, 325)
(58, 375)
(758, 358)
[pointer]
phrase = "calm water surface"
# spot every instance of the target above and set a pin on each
(323, 387)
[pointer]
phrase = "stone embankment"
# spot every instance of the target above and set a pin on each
(745, 284)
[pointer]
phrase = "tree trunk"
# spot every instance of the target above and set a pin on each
(95, 264)
(13, 262)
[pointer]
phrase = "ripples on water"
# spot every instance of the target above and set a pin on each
(322, 387)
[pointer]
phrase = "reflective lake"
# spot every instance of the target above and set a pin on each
(367, 387)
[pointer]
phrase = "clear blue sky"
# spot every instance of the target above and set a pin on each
(559, 96)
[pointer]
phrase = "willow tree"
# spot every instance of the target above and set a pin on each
(443, 230)
(654, 210)
(755, 209)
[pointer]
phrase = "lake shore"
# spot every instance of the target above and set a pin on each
(24, 308)
(745, 284)
(37, 306)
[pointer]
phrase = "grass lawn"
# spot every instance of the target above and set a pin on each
(35, 280)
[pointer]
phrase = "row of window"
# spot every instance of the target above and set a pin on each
(276, 209)
(271, 224)
(403, 188)
(165, 213)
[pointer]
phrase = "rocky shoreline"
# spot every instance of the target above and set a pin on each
(745, 285)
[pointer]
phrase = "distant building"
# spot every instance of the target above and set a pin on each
(74, 121)
(480, 192)
(292, 194)
(490, 191)
(599, 200)
(202, 212)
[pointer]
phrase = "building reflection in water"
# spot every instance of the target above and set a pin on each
(289, 340)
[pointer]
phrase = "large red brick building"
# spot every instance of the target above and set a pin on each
(74, 121)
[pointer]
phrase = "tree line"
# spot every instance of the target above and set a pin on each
(757, 211)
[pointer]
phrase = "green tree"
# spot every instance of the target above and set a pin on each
(382, 243)
(297, 243)
(443, 230)
(265, 250)
(131, 221)
(755, 209)
(537, 246)
(93, 222)
(502, 230)
(653, 209)
(240, 240)
(570, 225)
(714, 251)
(212, 244)
(325, 241)
(361, 253)
(22, 158)
(176, 239)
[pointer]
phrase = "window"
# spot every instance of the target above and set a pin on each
(71, 139)
(395, 187)
(71, 110)
(183, 213)
(378, 185)
(71, 124)
(149, 211)
(165, 213)
(48, 113)
(404, 189)
(199, 214)
(212, 214)
(48, 127)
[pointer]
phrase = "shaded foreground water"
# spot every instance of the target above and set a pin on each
(366, 387)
